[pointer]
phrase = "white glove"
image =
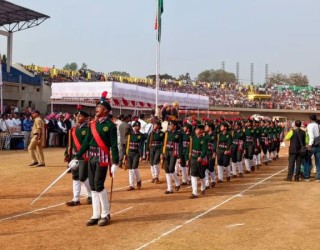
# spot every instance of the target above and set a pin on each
(114, 169)
(74, 164)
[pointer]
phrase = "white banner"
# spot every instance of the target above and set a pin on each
(129, 92)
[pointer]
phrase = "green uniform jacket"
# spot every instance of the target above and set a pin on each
(212, 143)
(224, 142)
(184, 143)
(137, 142)
(250, 136)
(199, 147)
(173, 138)
(238, 138)
(108, 133)
(157, 137)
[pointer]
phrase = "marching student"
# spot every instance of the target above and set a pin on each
(211, 154)
(237, 150)
(224, 152)
(154, 149)
(185, 141)
(249, 146)
(76, 137)
(101, 141)
(257, 148)
(198, 150)
(279, 137)
(134, 152)
(170, 154)
(264, 141)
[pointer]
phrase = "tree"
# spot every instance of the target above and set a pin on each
(185, 77)
(120, 73)
(84, 66)
(278, 78)
(72, 66)
(216, 76)
(162, 77)
(296, 79)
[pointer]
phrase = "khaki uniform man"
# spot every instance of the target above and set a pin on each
(36, 140)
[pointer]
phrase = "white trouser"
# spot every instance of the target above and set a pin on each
(255, 161)
(240, 167)
(104, 203)
(194, 185)
(184, 174)
(157, 170)
(220, 172)
(247, 164)
(137, 174)
(176, 179)
(153, 171)
(76, 186)
(203, 184)
(95, 205)
(131, 177)
(259, 159)
(169, 184)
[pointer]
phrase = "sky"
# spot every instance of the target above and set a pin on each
(197, 35)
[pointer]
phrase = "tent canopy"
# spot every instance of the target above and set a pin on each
(87, 93)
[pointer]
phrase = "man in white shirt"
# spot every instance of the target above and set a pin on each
(313, 131)
(143, 124)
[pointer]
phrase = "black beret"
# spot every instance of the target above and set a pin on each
(200, 126)
(81, 112)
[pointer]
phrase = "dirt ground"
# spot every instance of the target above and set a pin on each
(260, 211)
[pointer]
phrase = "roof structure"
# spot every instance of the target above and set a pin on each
(15, 18)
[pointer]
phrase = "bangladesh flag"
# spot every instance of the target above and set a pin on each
(157, 24)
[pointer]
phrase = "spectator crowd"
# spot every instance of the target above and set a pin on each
(229, 95)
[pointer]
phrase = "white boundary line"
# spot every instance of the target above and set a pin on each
(31, 212)
(208, 211)
(57, 205)
(61, 204)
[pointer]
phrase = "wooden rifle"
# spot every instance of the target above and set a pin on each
(69, 149)
(125, 160)
(190, 154)
(164, 148)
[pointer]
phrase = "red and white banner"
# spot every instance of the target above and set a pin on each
(123, 95)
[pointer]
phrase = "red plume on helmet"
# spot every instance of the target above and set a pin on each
(79, 107)
(103, 100)
(104, 94)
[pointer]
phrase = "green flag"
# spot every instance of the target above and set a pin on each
(157, 25)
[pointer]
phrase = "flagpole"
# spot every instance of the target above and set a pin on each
(157, 65)
(1, 89)
(157, 76)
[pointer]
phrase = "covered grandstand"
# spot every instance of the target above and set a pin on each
(16, 82)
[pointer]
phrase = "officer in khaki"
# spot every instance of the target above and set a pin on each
(36, 140)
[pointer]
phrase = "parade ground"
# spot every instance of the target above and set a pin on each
(259, 211)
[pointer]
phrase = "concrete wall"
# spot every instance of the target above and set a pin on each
(23, 96)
